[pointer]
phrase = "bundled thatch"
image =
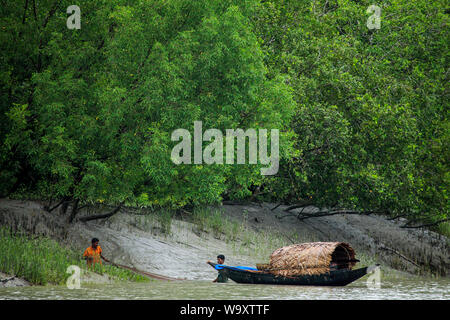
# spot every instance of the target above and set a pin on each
(309, 258)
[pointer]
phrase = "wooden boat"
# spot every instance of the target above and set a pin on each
(332, 278)
(311, 263)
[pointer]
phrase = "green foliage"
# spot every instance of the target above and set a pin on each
(209, 221)
(165, 220)
(38, 260)
(118, 273)
(43, 261)
(96, 121)
(88, 114)
(371, 114)
(443, 229)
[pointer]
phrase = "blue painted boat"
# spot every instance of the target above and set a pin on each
(340, 277)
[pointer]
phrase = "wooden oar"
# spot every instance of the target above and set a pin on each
(145, 273)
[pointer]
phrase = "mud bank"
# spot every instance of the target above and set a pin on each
(254, 232)
(7, 281)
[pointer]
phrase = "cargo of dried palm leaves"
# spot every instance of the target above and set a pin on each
(310, 259)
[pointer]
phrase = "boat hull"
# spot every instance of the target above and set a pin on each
(333, 278)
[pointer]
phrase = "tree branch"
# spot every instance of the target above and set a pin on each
(48, 209)
(34, 11)
(51, 13)
(102, 216)
(332, 213)
(74, 210)
(235, 203)
(399, 254)
(299, 205)
(276, 206)
(25, 12)
(406, 226)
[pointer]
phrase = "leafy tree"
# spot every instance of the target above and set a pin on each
(104, 104)
(370, 103)
(87, 115)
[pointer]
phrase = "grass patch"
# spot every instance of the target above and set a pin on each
(164, 218)
(43, 261)
(119, 273)
(156, 222)
(208, 221)
(443, 228)
(244, 240)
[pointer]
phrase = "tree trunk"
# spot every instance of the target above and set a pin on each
(74, 210)
(102, 216)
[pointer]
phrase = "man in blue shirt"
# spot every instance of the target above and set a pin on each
(222, 277)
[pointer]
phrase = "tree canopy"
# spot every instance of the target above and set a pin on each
(87, 114)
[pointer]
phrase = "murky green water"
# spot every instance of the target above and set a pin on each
(390, 289)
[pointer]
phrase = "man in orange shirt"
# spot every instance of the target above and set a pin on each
(93, 254)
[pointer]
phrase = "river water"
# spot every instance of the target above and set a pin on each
(389, 289)
(125, 240)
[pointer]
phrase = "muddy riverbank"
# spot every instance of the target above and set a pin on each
(7, 281)
(251, 233)
(11, 281)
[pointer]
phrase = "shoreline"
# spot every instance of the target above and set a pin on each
(247, 234)
(8, 281)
